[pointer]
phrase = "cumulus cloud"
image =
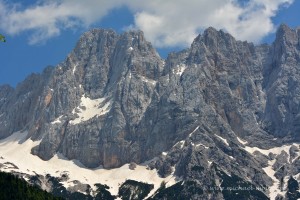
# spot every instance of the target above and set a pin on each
(177, 22)
(166, 23)
(49, 17)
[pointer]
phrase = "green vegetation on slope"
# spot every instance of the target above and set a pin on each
(134, 190)
(2, 38)
(11, 187)
(293, 189)
(179, 191)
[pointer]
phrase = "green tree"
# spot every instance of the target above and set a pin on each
(2, 38)
(12, 187)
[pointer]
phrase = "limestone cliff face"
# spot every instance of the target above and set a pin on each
(114, 101)
(89, 106)
(282, 85)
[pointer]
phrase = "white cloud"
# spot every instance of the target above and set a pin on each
(48, 18)
(177, 22)
(165, 22)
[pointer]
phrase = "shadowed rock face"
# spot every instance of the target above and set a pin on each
(115, 101)
(282, 85)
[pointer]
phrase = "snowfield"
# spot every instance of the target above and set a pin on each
(90, 108)
(269, 170)
(15, 156)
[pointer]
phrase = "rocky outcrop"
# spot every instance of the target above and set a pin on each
(282, 85)
(115, 101)
(89, 106)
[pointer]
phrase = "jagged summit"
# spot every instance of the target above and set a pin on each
(201, 113)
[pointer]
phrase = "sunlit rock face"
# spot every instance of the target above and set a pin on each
(114, 101)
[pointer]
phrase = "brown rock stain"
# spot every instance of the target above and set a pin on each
(48, 99)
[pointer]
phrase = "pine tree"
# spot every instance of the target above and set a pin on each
(12, 187)
(2, 38)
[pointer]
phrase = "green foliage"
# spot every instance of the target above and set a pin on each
(134, 190)
(59, 190)
(162, 185)
(178, 191)
(103, 193)
(235, 188)
(2, 38)
(11, 187)
(197, 168)
(293, 187)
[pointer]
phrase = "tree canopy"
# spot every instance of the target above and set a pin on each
(2, 38)
(12, 187)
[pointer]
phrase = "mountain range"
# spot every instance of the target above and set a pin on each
(218, 120)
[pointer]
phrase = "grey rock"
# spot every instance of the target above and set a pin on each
(192, 106)
(281, 116)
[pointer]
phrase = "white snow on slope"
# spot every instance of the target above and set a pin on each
(190, 135)
(181, 143)
(147, 80)
(89, 108)
(19, 154)
(130, 48)
(275, 188)
(206, 147)
(224, 140)
(275, 150)
(241, 141)
(74, 69)
(297, 155)
(209, 162)
(179, 69)
(57, 120)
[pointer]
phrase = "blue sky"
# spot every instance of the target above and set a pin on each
(41, 33)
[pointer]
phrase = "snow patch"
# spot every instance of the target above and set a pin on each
(275, 150)
(179, 69)
(209, 162)
(164, 153)
(296, 157)
(130, 48)
(206, 147)
(190, 135)
(90, 108)
(232, 158)
(224, 140)
(275, 188)
(144, 79)
(181, 143)
(57, 120)
(11, 150)
(74, 69)
(241, 141)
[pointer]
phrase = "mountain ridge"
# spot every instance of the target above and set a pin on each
(115, 101)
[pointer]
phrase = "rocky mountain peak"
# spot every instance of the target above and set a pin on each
(283, 81)
(286, 41)
(213, 44)
(286, 34)
(201, 113)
